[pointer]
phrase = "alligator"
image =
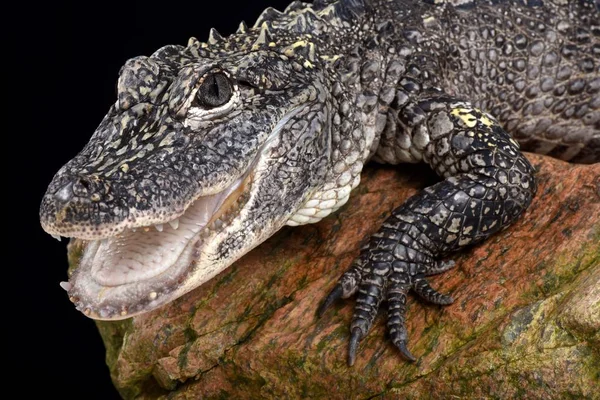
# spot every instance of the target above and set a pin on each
(212, 147)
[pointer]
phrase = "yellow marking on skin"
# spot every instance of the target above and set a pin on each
(125, 167)
(465, 116)
(272, 44)
(291, 49)
(308, 64)
(458, 111)
(485, 120)
(331, 58)
(167, 140)
(61, 215)
(311, 51)
(513, 141)
(428, 20)
(469, 117)
(124, 122)
(300, 43)
(115, 144)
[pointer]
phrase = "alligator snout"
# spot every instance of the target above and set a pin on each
(73, 198)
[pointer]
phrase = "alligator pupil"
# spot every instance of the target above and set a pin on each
(215, 87)
(215, 91)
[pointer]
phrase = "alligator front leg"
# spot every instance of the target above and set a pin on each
(488, 184)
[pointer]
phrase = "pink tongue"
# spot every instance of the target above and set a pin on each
(135, 256)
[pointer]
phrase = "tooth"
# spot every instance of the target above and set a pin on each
(57, 237)
(159, 227)
(174, 224)
(66, 285)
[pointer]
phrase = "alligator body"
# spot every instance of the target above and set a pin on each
(211, 148)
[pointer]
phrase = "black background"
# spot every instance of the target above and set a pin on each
(64, 79)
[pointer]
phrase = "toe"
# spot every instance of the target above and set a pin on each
(425, 291)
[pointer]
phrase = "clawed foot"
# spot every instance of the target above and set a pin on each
(377, 276)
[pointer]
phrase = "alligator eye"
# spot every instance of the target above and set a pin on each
(215, 90)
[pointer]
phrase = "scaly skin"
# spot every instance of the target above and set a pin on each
(220, 144)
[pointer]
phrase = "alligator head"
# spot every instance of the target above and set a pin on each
(205, 154)
(208, 151)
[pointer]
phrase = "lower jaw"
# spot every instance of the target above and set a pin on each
(123, 301)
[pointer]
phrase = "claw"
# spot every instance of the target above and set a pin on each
(334, 295)
(401, 345)
(353, 346)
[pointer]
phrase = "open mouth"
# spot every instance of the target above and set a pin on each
(143, 253)
(137, 269)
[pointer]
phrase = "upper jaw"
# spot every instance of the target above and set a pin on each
(104, 232)
(157, 220)
(81, 218)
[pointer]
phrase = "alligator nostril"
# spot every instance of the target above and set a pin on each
(84, 183)
(65, 193)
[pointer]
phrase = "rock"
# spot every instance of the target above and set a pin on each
(525, 322)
